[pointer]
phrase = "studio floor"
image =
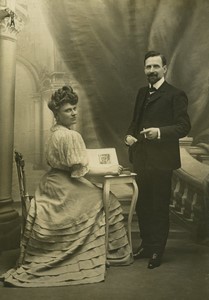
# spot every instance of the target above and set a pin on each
(183, 275)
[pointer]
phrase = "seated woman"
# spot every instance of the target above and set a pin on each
(64, 237)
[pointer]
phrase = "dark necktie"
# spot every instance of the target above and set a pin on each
(152, 89)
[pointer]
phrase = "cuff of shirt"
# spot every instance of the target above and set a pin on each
(158, 134)
(125, 141)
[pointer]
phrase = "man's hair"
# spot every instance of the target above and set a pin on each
(155, 53)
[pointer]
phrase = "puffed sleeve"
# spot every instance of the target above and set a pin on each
(70, 152)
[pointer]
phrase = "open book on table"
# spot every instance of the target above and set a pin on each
(104, 156)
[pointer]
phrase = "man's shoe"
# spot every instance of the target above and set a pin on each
(141, 253)
(155, 261)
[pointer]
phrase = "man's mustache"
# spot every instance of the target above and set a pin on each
(152, 74)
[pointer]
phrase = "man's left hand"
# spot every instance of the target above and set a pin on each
(150, 133)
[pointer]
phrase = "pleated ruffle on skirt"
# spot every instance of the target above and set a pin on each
(64, 238)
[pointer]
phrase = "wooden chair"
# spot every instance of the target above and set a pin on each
(25, 198)
(109, 156)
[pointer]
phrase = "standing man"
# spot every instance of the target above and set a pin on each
(160, 118)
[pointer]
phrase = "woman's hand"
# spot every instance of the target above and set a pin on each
(114, 170)
(104, 169)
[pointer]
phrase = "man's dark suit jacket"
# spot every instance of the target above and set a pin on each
(166, 110)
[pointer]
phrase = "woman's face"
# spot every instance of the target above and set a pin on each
(66, 115)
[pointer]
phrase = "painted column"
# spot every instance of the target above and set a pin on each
(10, 24)
(37, 133)
(47, 121)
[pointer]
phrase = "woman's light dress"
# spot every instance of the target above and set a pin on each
(64, 237)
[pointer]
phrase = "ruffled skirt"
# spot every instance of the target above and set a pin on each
(64, 237)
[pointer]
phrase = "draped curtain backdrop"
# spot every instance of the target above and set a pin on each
(103, 44)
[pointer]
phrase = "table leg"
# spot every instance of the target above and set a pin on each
(131, 212)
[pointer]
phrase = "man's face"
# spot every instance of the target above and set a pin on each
(154, 69)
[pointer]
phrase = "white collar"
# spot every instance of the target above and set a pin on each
(158, 84)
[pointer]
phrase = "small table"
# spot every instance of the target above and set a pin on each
(119, 179)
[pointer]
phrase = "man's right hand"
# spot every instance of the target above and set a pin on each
(130, 140)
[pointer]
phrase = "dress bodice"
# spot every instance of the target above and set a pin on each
(66, 150)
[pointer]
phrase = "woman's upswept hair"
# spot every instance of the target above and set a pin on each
(62, 96)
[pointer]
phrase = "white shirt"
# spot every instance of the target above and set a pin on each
(158, 84)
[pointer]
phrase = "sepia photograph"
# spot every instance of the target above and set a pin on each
(104, 149)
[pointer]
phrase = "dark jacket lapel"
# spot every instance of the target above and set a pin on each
(159, 92)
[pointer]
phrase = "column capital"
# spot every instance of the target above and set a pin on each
(50, 81)
(13, 15)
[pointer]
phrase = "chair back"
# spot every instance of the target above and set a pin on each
(20, 165)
